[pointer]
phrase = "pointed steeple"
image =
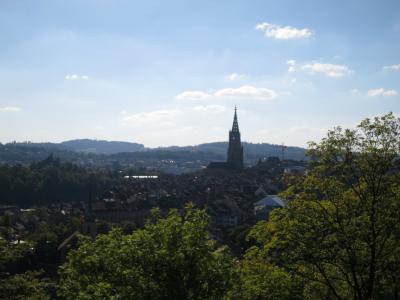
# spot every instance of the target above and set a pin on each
(235, 126)
(235, 148)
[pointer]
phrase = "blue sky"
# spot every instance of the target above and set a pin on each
(170, 72)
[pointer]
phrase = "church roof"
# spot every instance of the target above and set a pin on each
(272, 201)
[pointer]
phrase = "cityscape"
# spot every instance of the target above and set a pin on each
(233, 150)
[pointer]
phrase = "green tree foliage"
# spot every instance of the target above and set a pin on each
(340, 232)
(50, 181)
(25, 285)
(256, 278)
(171, 258)
(12, 256)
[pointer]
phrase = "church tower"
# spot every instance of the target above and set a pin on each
(235, 149)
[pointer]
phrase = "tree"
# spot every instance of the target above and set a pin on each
(340, 231)
(171, 258)
(259, 279)
(50, 181)
(24, 285)
(14, 256)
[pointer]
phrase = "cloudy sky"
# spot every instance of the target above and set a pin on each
(171, 72)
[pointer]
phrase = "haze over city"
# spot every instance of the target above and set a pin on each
(170, 72)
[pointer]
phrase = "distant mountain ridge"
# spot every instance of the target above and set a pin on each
(89, 146)
(252, 150)
(102, 146)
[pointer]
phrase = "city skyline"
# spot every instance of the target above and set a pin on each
(171, 73)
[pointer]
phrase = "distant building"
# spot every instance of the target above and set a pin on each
(71, 242)
(260, 193)
(295, 170)
(235, 150)
(113, 211)
(267, 204)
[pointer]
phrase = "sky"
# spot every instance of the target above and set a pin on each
(167, 73)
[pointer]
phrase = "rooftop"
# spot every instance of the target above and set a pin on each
(271, 200)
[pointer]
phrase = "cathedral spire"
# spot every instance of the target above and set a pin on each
(235, 126)
(235, 149)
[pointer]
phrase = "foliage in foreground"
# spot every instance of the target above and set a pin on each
(25, 285)
(340, 232)
(171, 258)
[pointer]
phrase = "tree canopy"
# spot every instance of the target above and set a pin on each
(24, 285)
(171, 258)
(340, 232)
(51, 181)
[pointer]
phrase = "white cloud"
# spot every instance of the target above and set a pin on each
(283, 32)
(209, 108)
(392, 67)
(158, 116)
(247, 92)
(381, 92)
(76, 77)
(292, 65)
(329, 70)
(234, 76)
(390, 93)
(193, 95)
(10, 109)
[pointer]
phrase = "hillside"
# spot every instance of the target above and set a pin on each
(252, 151)
(101, 146)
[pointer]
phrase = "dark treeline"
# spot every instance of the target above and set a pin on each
(50, 181)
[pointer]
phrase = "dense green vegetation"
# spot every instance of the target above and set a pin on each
(171, 258)
(22, 261)
(24, 284)
(50, 181)
(339, 235)
(338, 238)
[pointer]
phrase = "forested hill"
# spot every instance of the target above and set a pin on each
(252, 150)
(101, 146)
(87, 145)
(114, 147)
